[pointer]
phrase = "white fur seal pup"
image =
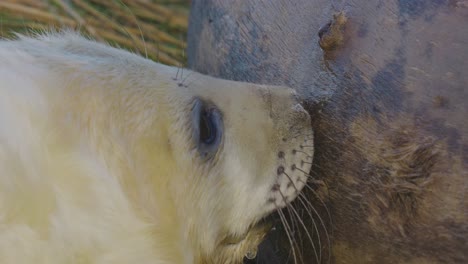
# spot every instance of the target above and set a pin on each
(105, 157)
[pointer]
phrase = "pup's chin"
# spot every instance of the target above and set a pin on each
(246, 244)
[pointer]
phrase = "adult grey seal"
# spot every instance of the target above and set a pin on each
(386, 83)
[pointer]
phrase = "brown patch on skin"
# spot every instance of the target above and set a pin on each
(440, 101)
(332, 34)
(409, 192)
(403, 163)
(361, 255)
(459, 3)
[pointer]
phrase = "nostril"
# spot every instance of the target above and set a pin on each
(281, 154)
(293, 167)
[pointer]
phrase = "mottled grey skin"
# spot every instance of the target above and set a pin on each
(389, 109)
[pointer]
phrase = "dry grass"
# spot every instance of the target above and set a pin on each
(153, 28)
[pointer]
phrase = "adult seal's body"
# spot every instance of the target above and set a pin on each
(386, 83)
(106, 157)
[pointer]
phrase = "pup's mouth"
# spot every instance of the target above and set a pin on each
(252, 237)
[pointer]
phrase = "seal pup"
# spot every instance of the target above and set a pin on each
(107, 157)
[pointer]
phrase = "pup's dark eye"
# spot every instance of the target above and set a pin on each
(208, 128)
(207, 125)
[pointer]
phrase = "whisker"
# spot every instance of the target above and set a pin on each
(316, 181)
(294, 227)
(305, 200)
(303, 152)
(299, 214)
(285, 201)
(181, 67)
(193, 80)
(321, 201)
(301, 170)
(300, 134)
(287, 229)
(289, 207)
(308, 136)
(138, 25)
(309, 213)
(318, 257)
(182, 73)
(312, 180)
(177, 74)
(301, 195)
(293, 244)
(292, 182)
(186, 77)
(299, 237)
